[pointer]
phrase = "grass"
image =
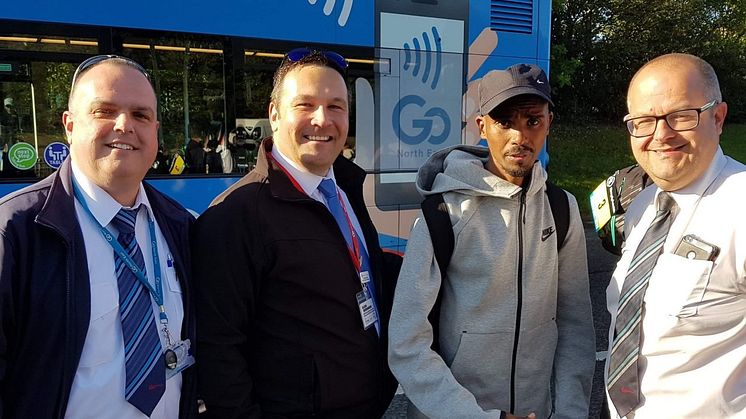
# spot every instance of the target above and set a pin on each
(583, 156)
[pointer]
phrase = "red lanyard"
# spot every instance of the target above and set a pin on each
(353, 251)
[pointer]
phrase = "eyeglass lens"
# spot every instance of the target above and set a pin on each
(677, 121)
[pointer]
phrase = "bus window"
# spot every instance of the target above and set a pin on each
(34, 95)
(189, 82)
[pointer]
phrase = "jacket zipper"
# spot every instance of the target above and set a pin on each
(519, 292)
(63, 395)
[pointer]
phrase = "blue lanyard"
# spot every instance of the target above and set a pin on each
(157, 291)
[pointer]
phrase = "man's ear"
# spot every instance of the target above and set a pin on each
(274, 116)
(481, 125)
(67, 123)
(721, 111)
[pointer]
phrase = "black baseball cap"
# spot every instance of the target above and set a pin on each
(497, 86)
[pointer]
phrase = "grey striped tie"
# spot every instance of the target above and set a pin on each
(623, 380)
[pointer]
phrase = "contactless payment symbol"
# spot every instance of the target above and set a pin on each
(22, 156)
(55, 153)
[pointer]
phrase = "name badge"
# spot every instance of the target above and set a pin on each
(367, 310)
(183, 360)
(364, 277)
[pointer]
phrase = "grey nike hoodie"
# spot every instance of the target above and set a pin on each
(516, 329)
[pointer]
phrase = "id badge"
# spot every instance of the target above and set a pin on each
(183, 358)
(367, 310)
(364, 277)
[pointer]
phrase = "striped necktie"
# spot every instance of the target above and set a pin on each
(623, 379)
(328, 188)
(144, 364)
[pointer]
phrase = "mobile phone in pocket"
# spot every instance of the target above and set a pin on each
(692, 247)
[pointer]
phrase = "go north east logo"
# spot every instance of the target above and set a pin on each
(424, 62)
(413, 58)
(344, 14)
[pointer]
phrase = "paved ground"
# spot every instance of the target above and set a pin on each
(600, 266)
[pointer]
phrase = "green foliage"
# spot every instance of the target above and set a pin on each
(733, 141)
(583, 155)
(597, 45)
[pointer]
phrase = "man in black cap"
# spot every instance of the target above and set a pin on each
(514, 335)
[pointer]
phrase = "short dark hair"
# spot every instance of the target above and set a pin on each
(317, 58)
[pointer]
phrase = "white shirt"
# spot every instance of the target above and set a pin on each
(98, 387)
(309, 182)
(693, 353)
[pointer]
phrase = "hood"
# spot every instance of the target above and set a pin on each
(461, 168)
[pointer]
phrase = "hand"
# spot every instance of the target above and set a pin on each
(530, 416)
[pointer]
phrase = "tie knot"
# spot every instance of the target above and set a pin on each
(328, 189)
(665, 202)
(125, 220)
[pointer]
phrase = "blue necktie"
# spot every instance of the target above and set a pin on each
(144, 364)
(328, 188)
(623, 380)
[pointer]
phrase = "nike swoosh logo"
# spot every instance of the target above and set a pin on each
(546, 233)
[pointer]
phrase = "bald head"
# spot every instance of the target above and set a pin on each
(677, 63)
(104, 59)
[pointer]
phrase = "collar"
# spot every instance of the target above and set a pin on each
(103, 207)
(346, 174)
(308, 181)
(690, 194)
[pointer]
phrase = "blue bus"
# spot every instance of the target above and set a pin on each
(413, 71)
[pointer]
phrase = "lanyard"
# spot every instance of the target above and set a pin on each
(354, 250)
(157, 291)
(357, 260)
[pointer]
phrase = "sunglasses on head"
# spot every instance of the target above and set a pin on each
(300, 53)
(98, 59)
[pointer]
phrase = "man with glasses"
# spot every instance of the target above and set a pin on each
(95, 319)
(677, 298)
(293, 290)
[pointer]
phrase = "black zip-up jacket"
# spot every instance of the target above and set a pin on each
(280, 330)
(45, 300)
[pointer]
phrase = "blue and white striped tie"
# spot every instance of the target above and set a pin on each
(144, 364)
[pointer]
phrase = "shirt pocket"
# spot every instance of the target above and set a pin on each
(103, 339)
(172, 280)
(678, 285)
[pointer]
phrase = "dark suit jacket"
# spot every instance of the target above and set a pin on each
(280, 330)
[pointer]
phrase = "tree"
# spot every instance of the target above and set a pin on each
(598, 45)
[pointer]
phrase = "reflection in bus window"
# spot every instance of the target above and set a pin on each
(189, 82)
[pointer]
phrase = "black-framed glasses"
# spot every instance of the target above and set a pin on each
(335, 58)
(98, 59)
(681, 120)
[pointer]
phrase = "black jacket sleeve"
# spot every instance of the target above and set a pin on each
(223, 278)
